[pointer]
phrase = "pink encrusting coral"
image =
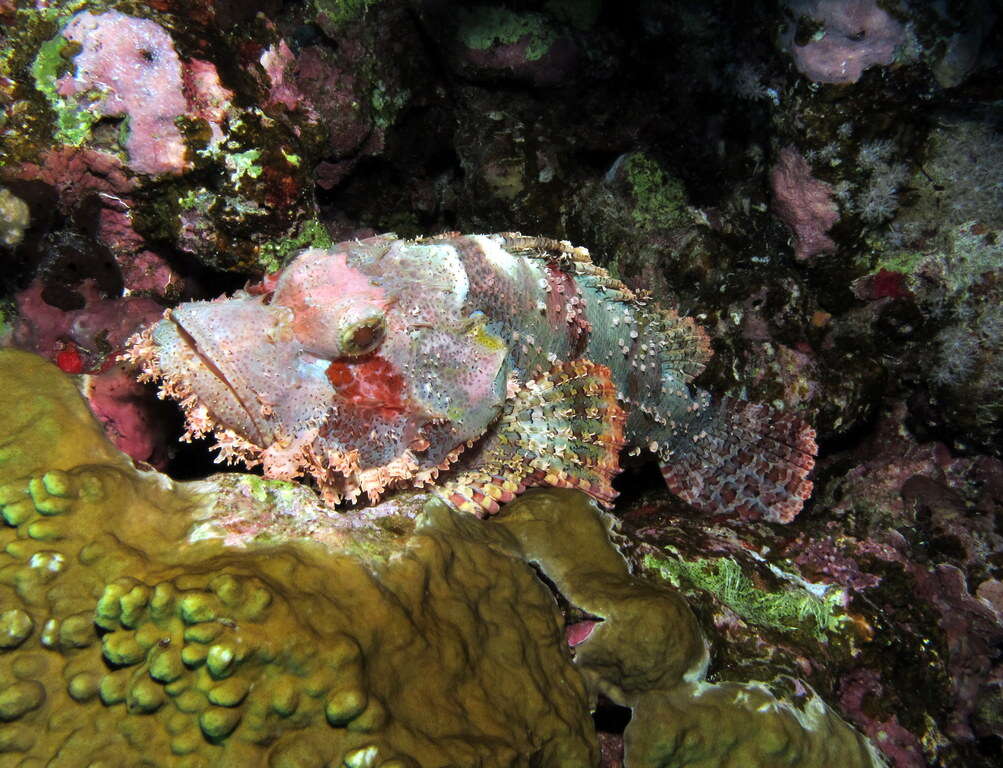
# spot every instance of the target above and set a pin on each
(79, 175)
(143, 271)
(278, 62)
(860, 688)
(85, 341)
(854, 35)
(127, 414)
(207, 98)
(127, 67)
(96, 330)
(804, 204)
(76, 173)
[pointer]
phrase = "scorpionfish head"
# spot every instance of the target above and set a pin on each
(359, 366)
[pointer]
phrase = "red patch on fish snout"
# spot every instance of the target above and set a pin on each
(369, 383)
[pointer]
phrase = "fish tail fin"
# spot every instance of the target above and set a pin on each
(743, 459)
(563, 427)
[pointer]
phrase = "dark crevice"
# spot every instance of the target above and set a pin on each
(609, 717)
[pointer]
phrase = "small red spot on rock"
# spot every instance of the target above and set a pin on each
(69, 360)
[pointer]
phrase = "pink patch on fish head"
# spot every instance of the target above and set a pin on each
(337, 310)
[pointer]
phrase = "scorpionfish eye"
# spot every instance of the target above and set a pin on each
(360, 336)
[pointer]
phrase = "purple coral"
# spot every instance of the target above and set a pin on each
(853, 35)
(97, 329)
(804, 204)
(127, 67)
(85, 340)
(278, 62)
(78, 173)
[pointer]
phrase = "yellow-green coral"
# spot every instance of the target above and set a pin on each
(14, 218)
(482, 27)
(72, 125)
(659, 199)
(123, 642)
(342, 11)
(307, 234)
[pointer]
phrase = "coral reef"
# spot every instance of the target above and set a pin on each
(86, 339)
(131, 115)
(647, 653)
(955, 285)
(816, 183)
(890, 564)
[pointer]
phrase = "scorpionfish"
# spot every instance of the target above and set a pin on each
(479, 365)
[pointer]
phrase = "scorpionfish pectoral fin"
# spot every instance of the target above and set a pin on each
(563, 427)
(743, 459)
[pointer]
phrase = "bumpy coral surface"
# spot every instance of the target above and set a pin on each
(122, 643)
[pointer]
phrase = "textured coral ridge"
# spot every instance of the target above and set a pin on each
(648, 654)
(376, 363)
(122, 644)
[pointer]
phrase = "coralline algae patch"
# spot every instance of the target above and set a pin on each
(125, 67)
(120, 643)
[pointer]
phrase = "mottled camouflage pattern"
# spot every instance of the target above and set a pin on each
(376, 363)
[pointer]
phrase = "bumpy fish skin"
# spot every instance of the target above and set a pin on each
(376, 363)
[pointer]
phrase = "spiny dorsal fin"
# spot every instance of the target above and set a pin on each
(544, 247)
(687, 346)
(573, 259)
